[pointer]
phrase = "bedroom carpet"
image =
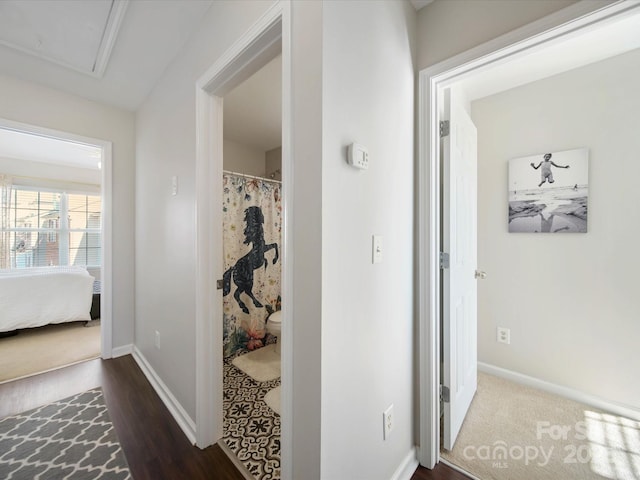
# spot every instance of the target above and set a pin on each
(514, 432)
(72, 439)
(38, 350)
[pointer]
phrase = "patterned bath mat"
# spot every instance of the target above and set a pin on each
(272, 398)
(71, 439)
(251, 428)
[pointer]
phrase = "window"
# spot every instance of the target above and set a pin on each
(54, 228)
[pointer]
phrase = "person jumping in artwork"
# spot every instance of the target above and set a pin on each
(545, 173)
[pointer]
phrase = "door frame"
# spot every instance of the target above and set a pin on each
(266, 38)
(106, 324)
(579, 17)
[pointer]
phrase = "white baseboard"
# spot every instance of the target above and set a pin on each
(122, 351)
(185, 422)
(408, 466)
(459, 469)
(576, 395)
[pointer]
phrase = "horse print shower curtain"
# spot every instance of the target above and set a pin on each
(252, 226)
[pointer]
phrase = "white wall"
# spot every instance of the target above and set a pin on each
(43, 107)
(304, 215)
(570, 300)
(367, 310)
(273, 163)
(165, 228)
(245, 159)
(165, 224)
(375, 106)
(449, 27)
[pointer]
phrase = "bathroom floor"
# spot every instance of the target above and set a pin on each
(251, 428)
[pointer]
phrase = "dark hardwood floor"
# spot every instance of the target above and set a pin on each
(155, 446)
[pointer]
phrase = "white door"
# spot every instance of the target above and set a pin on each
(459, 232)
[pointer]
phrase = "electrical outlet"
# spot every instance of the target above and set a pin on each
(504, 335)
(388, 422)
(157, 339)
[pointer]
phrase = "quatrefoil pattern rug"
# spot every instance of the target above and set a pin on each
(251, 427)
(72, 439)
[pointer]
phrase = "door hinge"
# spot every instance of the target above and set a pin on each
(444, 128)
(444, 260)
(444, 394)
(219, 284)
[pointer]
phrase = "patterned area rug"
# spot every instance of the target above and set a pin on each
(72, 439)
(251, 428)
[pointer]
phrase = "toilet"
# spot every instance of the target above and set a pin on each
(274, 322)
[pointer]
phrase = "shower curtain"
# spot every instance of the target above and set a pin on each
(252, 226)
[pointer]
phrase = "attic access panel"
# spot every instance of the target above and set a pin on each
(74, 34)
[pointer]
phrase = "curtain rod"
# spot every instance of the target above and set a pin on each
(244, 175)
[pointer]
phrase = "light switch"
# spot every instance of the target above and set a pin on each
(377, 249)
(174, 185)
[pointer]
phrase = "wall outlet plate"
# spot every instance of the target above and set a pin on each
(503, 335)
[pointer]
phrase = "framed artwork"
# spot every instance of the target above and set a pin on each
(548, 192)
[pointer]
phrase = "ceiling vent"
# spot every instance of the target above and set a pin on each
(77, 35)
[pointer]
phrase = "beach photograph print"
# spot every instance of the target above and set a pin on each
(548, 192)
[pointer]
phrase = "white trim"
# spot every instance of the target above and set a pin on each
(570, 393)
(106, 324)
(208, 268)
(109, 40)
(179, 414)
(106, 295)
(580, 16)
(261, 43)
(246, 56)
(459, 469)
(286, 253)
(237, 463)
(122, 351)
(407, 467)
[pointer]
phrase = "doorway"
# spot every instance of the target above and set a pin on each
(549, 31)
(252, 281)
(260, 44)
(55, 222)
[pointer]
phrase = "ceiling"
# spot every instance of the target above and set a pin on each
(114, 51)
(77, 35)
(614, 37)
(253, 110)
(109, 51)
(17, 145)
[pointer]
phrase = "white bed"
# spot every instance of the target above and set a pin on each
(40, 296)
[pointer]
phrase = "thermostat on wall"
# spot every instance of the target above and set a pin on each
(358, 156)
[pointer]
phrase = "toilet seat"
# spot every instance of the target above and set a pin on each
(274, 323)
(275, 317)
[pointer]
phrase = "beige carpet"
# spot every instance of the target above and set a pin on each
(514, 432)
(262, 365)
(38, 350)
(272, 398)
